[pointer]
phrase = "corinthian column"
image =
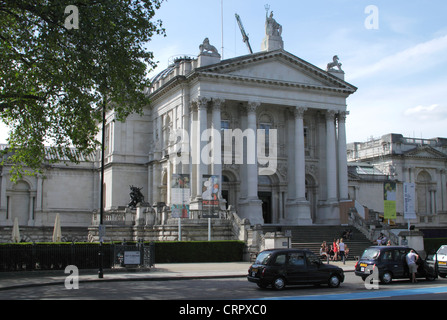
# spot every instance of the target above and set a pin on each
(202, 118)
(342, 156)
(252, 169)
(300, 165)
(251, 207)
(297, 208)
(331, 157)
(217, 150)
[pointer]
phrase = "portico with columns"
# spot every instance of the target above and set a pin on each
(274, 91)
(277, 143)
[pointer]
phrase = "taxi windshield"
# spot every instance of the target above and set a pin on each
(442, 250)
(370, 254)
(263, 257)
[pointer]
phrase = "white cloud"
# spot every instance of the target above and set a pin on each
(414, 59)
(434, 112)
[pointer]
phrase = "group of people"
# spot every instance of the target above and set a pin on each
(382, 240)
(338, 250)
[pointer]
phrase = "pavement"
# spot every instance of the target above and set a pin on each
(160, 272)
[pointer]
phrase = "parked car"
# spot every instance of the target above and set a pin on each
(391, 264)
(281, 267)
(441, 258)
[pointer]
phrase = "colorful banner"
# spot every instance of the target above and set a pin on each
(409, 200)
(210, 196)
(180, 195)
(210, 191)
(389, 197)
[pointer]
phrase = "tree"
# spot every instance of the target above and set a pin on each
(62, 61)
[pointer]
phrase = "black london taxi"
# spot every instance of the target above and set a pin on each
(391, 263)
(281, 267)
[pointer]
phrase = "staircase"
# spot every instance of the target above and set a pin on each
(311, 237)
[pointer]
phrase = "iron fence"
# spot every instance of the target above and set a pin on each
(36, 256)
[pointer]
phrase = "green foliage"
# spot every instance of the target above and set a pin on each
(198, 251)
(54, 80)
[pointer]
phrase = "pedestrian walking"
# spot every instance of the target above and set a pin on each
(341, 249)
(335, 248)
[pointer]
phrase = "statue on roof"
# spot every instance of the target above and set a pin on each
(335, 63)
(272, 28)
(207, 48)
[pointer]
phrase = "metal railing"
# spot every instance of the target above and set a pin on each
(38, 256)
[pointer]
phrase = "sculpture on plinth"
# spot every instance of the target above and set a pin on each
(208, 49)
(135, 197)
(335, 63)
(273, 30)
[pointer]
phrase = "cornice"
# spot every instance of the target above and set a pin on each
(215, 72)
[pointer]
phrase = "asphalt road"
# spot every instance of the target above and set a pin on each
(228, 289)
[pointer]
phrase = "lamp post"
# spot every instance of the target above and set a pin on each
(101, 204)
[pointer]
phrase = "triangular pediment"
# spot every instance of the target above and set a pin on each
(425, 152)
(277, 67)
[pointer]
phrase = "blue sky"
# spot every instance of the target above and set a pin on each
(400, 68)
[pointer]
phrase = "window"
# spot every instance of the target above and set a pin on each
(296, 259)
(263, 257)
(224, 124)
(387, 256)
(266, 127)
(280, 260)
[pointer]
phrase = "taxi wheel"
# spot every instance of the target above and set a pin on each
(334, 281)
(279, 283)
(387, 277)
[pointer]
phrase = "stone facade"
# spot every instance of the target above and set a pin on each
(270, 90)
(394, 157)
(65, 188)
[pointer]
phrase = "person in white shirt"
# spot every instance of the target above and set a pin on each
(341, 248)
(412, 257)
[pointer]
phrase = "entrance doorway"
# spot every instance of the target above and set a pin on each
(266, 198)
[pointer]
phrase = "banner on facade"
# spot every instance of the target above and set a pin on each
(180, 195)
(389, 199)
(409, 200)
(210, 196)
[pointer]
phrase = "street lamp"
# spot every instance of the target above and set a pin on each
(101, 204)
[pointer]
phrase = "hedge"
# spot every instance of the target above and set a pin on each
(198, 251)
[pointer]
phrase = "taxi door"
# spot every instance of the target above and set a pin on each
(296, 267)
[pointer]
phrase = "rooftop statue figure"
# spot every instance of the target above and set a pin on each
(272, 28)
(207, 48)
(335, 63)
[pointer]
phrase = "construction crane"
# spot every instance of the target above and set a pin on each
(244, 35)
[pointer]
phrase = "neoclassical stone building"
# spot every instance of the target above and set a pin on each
(400, 159)
(272, 90)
